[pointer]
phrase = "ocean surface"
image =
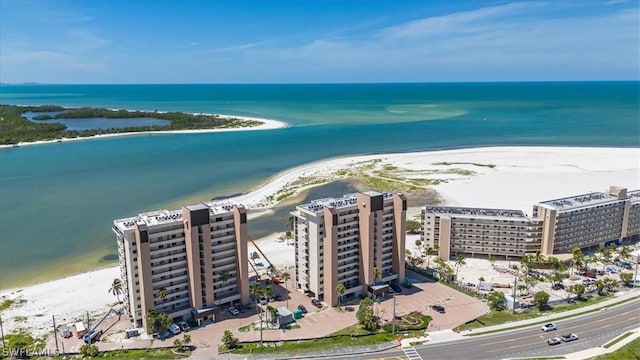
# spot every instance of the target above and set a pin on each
(58, 201)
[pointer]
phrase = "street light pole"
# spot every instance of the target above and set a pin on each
(393, 320)
(4, 346)
(55, 333)
(635, 276)
(515, 285)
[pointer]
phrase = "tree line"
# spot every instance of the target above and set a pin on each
(15, 128)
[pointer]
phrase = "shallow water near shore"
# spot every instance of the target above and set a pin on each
(58, 201)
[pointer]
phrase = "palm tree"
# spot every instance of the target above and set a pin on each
(255, 256)
(116, 288)
(224, 276)
(186, 340)
(290, 222)
(459, 262)
(162, 293)
(538, 258)
(624, 252)
(272, 270)
(612, 248)
(256, 290)
(286, 276)
(428, 251)
(526, 261)
(376, 275)
(418, 244)
(340, 289)
(492, 259)
(270, 310)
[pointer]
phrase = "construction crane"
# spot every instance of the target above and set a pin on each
(92, 334)
(272, 267)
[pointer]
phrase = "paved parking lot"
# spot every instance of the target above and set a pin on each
(316, 323)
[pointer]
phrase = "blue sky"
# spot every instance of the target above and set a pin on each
(317, 41)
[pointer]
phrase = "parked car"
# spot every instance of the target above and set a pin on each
(278, 296)
(65, 332)
(316, 303)
(557, 286)
(438, 308)
(589, 274)
(129, 333)
(569, 337)
(184, 326)
(396, 287)
(234, 311)
(175, 329)
(242, 308)
(302, 308)
(554, 341)
(262, 300)
(549, 327)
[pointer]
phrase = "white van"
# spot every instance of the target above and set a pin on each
(175, 329)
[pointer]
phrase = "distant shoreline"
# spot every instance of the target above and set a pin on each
(267, 124)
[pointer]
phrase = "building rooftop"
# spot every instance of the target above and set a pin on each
(152, 218)
(493, 213)
(161, 217)
(594, 198)
(347, 200)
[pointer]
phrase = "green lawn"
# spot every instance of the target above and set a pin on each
(617, 340)
(319, 344)
(501, 317)
(631, 351)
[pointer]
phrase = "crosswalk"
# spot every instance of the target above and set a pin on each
(411, 353)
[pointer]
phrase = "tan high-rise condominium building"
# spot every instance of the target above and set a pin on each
(183, 262)
(589, 220)
(357, 240)
(479, 232)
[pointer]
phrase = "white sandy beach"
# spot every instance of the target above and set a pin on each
(267, 124)
(504, 177)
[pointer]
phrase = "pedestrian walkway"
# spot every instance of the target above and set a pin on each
(411, 353)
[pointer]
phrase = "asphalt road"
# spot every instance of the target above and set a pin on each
(594, 329)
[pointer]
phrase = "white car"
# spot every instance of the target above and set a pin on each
(549, 327)
(554, 341)
(175, 329)
(234, 311)
(569, 337)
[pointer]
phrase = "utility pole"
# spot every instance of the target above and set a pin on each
(515, 285)
(393, 320)
(4, 346)
(635, 276)
(55, 333)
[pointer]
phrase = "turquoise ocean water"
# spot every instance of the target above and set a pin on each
(58, 201)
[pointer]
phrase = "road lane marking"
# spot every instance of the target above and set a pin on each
(568, 328)
(411, 353)
(634, 319)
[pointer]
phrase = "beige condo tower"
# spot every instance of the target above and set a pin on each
(557, 226)
(183, 262)
(357, 240)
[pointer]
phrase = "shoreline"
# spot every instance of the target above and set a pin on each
(492, 177)
(268, 124)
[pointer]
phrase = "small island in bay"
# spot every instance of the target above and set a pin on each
(15, 128)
